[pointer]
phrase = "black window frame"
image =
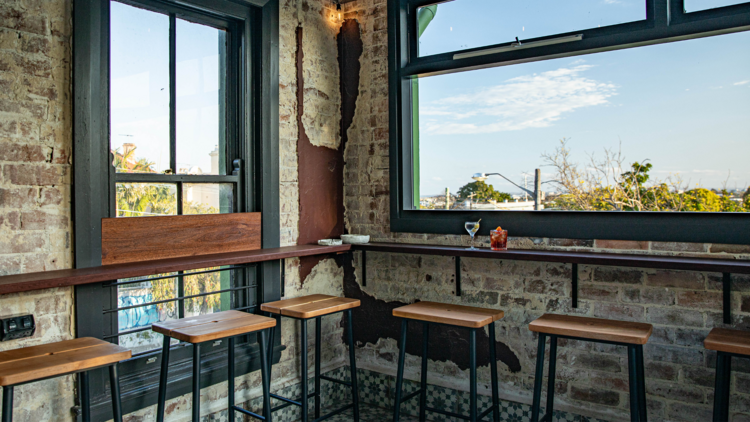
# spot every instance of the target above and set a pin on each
(665, 21)
(254, 33)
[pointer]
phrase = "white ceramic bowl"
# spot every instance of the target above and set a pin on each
(355, 239)
(329, 242)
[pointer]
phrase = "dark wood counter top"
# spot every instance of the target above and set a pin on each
(73, 277)
(589, 258)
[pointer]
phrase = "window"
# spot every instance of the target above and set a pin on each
(171, 121)
(553, 119)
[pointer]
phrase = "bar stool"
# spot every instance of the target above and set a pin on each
(727, 343)
(209, 327)
(36, 363)
(620, 333)
(457, 316)
(305, 308)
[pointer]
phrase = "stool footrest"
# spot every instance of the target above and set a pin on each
(410, 396)
(335, 412)
(546, 418)
(346, 383)
(249, 413)
(488, 411)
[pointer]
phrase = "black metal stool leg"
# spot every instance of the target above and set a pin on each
(196, 382)
(7, 403)
(400, 372)
(633, 381)
(642, 409)
(537, 403)
(230, 379)
(473, 375)
(114, 387)
(551, 378)
(423, 383)
(265, 374)
(85, 398)
(303, 358)
(163, 379)
(271, 337)
(721, 391)
(353, 366)
(317, 367)
(493, 375)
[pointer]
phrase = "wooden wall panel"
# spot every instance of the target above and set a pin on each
(149, 238)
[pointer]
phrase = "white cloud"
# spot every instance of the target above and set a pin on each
(742, 83)
(612, 2)
(535, 100)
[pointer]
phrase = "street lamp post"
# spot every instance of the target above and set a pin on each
(536, 194)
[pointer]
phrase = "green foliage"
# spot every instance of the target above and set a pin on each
(482, 192)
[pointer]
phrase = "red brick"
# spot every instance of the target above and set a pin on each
(17, 198)
(619, 311)
(675, 354)
(22, 21)
(689, 412)
(697, 375)
(678, 317)
(581, 243)
(24, 108)
(594, 395)
(675, 391)
(38, 220)
(595, 292)
(51, 196)
(618, 275)
(547, 287)
(33, 174)
(680, 279)
(701, 300)
(11, 220)
(10, 265)
(621, 244)
(648, 296)
(33, 66)
(35, 45)
(678, 247)
(22, 243)
(662, 370)
(596, 361)
(731, 249)
(23, 153)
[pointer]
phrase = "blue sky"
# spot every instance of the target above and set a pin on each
(683, 106)
(140, 87)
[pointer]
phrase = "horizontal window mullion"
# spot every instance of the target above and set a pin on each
(174, 178)
(591, 43)
(158, 302)
(143, 280)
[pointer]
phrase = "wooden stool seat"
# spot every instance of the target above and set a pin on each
(202, 328)
(593, 328)
(50, 360)
(445, 313)
(310, 306)
(728, 341)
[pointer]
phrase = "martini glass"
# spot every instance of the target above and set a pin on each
(472, 227)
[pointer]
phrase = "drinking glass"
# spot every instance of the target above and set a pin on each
(472, 227)
(499, 240)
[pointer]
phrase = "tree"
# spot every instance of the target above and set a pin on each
(601, 185)
(482, 192)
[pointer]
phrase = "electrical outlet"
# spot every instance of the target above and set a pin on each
(17, 326)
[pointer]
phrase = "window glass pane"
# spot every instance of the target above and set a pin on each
(696, 5)
(206, 283)
(146, 199)
(200, 99)
(462, 24)
(141, 317)
(139, 94)
(673, 138)
(207, 198)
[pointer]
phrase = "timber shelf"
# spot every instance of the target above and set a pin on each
(73, 277)
(725, 266)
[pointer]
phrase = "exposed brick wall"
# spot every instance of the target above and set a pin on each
(592, 379)
(35, 214)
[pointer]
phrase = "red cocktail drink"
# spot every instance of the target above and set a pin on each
(499, 240)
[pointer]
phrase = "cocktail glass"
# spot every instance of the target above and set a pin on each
(472, 227)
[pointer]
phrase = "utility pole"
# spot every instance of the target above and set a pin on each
(447, 198)
(537, 189)
(525, 198)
